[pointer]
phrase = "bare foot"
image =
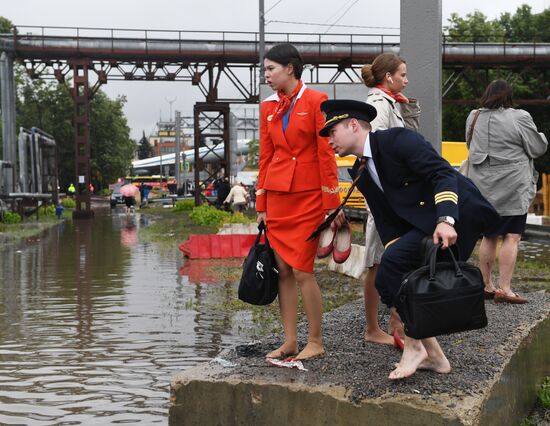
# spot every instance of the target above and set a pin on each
(413, 355)
(378, 336)
(311, 350)
(440, 365)
(286, 350)
(395, 323)
(490, 288)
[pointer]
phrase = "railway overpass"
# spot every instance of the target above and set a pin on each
(205, 59)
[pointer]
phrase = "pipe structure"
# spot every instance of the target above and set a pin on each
(353, 49)
(7, 89)
(23, 141)
(178, 149)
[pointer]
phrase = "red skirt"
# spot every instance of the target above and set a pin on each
(291, 218)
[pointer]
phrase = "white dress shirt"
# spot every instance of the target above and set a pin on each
(370, 163)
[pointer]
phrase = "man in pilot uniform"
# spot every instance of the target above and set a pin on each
(412, 193)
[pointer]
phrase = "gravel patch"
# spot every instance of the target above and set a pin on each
(363, 368)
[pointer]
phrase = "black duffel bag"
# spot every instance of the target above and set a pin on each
(441, 298)
(260, 279)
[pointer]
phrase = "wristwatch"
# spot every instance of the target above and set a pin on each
(449, 220)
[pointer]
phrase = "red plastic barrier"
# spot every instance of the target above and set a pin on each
(217, 246)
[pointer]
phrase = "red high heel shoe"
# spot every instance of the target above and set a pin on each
(342, 243)
(326, 242)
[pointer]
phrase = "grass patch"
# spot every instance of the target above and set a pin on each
(29, 227)
(168, 227)
(544, 393)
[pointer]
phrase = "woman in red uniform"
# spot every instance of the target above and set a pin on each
(297, 186)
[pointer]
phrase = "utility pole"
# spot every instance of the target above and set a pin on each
(178, 152)
(421, 47)
(262, 41)
(171, 102)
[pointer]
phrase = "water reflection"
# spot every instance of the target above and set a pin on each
(93, 323)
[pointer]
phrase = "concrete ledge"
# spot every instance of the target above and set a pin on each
(495, 374)
(239, 228)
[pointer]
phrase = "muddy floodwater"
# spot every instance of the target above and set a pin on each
(94, 321)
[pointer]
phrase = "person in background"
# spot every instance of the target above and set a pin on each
(386, 79)
(504, 142)
(71, 190)
(59, 210)
(297, 186)
(223, 191)
(237, 197)
(252, 195)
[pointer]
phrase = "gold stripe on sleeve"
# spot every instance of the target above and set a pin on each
(391, 242)
(448, 198)
(328, 190)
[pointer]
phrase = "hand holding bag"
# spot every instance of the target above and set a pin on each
(260, 278)
(441, 298)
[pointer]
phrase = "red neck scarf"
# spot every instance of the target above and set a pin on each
(398, 97)
(285, 101)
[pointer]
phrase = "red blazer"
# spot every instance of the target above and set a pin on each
(300, 159)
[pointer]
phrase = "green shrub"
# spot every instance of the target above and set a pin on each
(238, 217)
(106, 191)
(206, 215)
(544, 393)
(47, 210)
(68, 203)
(184, 206)
(11, 218)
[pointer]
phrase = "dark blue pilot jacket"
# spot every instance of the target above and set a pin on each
(420, 186)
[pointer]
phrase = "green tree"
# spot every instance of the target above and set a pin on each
(6, 26)
(112, 150)
(253, 154)
(144, 148)
(522, 26)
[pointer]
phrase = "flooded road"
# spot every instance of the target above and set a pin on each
(93, 324)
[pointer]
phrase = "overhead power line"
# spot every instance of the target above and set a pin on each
(324, 25)
(272, 7)
(338, 11)
(341, 16)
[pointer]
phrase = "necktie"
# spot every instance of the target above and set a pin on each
(362, 165)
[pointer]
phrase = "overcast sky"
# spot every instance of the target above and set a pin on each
(148, 100)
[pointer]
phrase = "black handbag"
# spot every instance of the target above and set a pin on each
(260, 279)
(441, 298)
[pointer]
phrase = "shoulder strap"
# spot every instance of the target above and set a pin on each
(471, 130)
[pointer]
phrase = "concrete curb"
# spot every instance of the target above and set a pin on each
(252, 393)
(239, 228)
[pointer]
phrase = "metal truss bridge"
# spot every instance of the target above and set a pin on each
(93, 56)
